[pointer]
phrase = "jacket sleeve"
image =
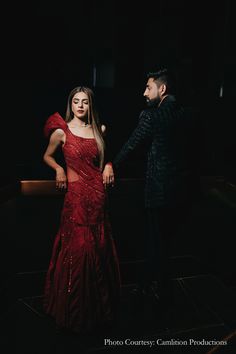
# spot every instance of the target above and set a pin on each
(142, 133)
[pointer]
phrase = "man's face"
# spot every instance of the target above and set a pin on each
(152, 93)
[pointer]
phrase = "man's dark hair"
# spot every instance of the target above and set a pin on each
(164, 76)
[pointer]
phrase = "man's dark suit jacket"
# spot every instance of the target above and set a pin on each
(166, 131)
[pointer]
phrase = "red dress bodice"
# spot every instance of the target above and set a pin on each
(83, 172)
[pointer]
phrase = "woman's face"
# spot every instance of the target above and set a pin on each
(80, 105)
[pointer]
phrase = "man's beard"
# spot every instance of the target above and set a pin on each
(154, 102)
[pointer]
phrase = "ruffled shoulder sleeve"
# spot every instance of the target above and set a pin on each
(53, 122)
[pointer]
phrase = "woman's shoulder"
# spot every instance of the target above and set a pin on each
(53, 122)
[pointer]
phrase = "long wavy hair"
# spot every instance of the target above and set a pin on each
(92, 119)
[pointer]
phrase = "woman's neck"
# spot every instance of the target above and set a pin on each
(79, 122)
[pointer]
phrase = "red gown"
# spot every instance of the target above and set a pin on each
(82, 287)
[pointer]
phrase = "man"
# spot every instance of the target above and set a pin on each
(164, 128)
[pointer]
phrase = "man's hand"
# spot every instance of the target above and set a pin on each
(108, 175)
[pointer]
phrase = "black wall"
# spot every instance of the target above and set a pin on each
(48, 52)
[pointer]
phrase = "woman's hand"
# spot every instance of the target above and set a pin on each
(108, 175)
(61, 179)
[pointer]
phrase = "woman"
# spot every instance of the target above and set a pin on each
(83, 280)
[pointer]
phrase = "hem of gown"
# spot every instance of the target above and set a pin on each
(82, 330)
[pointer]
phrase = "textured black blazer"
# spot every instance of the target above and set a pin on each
(167, 135)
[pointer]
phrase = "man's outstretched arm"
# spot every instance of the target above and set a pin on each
(142, 133)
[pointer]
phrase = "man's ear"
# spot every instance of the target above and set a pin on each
(163, 89)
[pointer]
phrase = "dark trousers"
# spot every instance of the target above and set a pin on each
(163, 225)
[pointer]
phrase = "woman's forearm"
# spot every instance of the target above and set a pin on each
(51, 162)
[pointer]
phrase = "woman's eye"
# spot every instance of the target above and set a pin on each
(77, 102)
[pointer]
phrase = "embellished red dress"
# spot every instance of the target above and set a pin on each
(82, 287)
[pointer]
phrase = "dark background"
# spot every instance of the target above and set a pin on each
(47, 50)
(51, 49)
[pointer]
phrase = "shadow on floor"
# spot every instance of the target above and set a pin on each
(203, 314)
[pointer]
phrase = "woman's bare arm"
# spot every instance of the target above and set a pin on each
(56, 140)
(108, 173)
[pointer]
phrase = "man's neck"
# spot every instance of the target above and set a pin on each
(163, 97)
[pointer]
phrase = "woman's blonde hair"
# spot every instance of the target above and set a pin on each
(93, 119)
